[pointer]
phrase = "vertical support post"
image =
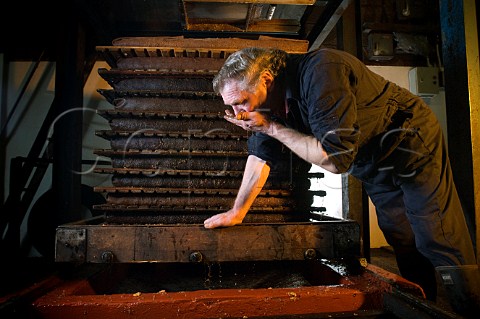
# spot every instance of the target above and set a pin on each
(5, 69)
(354, 200)
(470, 12)
(355, 207)
(67, 136)
(347, 28)
(462, 100)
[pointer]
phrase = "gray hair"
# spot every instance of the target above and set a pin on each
(247, 65)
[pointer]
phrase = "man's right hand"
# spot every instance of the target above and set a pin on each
(227, 219)
(254, 177)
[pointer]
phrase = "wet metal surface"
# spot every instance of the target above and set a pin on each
(224, 291)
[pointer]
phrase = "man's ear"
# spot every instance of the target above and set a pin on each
(267, 78)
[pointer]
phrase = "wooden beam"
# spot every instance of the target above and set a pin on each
(104, 243)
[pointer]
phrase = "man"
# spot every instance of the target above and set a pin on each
(330, 110)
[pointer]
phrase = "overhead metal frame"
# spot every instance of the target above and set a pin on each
(248, 16)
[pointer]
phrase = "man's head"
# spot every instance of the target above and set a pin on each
(247, 76)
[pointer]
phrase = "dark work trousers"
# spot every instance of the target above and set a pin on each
(417, 205)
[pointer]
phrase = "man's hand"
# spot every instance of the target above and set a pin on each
(254, 177)
(226, 219)
(249, 121)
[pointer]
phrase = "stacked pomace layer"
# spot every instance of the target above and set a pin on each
(174, 157)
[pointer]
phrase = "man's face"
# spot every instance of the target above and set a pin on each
(242, 100)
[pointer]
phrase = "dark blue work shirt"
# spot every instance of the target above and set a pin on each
(337, 99)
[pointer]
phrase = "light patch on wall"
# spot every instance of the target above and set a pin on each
(332, 185)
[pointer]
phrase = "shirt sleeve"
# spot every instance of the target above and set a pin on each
(328, 92)
(282, 162)
(268, 149)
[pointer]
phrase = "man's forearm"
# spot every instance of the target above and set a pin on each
(255, 175)
(305, 146)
